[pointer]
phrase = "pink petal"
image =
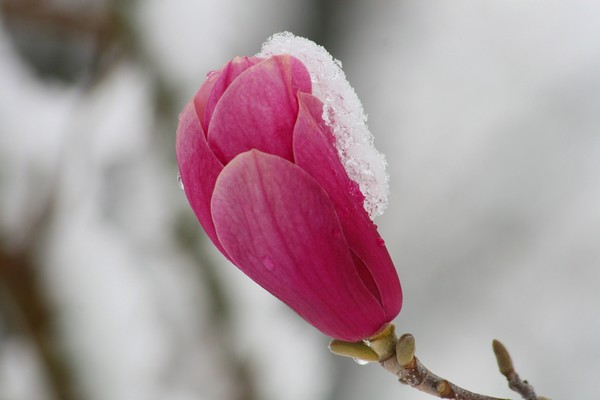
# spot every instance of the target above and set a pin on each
(280, 229)
(201, 97)
(198, 168)
(315, 152)
(223, 79)
(258, 109)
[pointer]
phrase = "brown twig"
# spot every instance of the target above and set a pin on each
(416, 375)
(20, 278)
(505, 365)
(419, 377)
(398, 357)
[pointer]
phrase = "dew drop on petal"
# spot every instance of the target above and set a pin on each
(380, 242)
(268, 263)
(353, 189)
(359, 361)
(180, 181)
(336, 234)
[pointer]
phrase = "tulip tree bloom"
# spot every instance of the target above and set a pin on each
(262, 170)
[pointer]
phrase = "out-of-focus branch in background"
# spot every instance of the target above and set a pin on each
(80, 45)
(27, 310)
(63, 42)
(43, 35)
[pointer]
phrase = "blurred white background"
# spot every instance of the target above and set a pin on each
(488, 112)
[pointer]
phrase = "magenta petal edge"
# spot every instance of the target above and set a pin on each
(261, 171)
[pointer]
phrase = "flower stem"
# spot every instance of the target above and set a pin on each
(416, 375)
(398, 357)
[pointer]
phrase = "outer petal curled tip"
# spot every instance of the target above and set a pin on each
(198, 168)
(279, 227)
(258, 109)
(202, 95)
(315, 152)
(222, 80)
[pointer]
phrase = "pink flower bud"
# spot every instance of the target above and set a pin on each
(261, 172)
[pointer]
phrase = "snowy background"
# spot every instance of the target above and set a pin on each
(488, 113)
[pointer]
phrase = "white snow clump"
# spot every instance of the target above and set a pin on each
(343, 113)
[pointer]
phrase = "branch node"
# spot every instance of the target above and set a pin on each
(505, 364)
(445, 389)
(405, 349)
(506, 367)
(357, 350)
(383, 342)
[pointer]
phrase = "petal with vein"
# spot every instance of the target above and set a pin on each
(279, 227)
(258, 109)
(315, 152)
(225, 76)
(198, 168)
